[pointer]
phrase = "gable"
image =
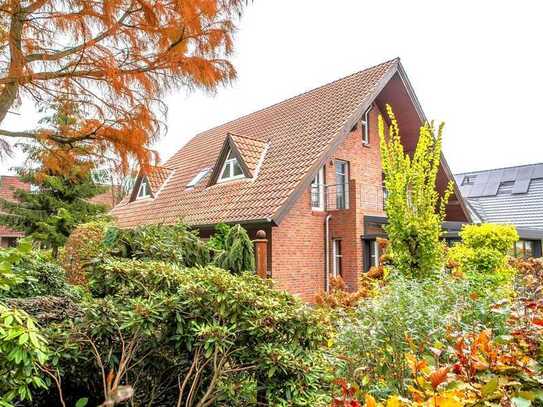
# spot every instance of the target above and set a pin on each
(247, 152)
(154, 176)
(295, 136)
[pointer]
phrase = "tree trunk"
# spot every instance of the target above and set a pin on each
(8, 95)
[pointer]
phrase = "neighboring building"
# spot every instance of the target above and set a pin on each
(512, 195)
(307, 171)
(10, 183)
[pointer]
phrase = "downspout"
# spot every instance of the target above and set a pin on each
(327, 254)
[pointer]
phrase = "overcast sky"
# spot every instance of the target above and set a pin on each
(473, 64)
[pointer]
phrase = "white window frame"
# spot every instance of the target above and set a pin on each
(230, 161)
(336, 257)
(374, 258)
(198, 177)
(366, 127)
(144, 191)
(346, 183)
(318, 182)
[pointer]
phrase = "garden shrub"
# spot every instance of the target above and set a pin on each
(243, 339)
(408, 315)
(236, 254)
(489, 235)
(84, 244)
(482, 257)
(39, 275)
(23, 353)
(172, 243)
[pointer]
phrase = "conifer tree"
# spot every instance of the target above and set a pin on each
(54, 207)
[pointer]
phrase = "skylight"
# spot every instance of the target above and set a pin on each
(198, 177)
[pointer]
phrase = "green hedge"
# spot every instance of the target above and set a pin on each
(269, 343)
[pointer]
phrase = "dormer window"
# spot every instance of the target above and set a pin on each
(231, 168)
(144, 191)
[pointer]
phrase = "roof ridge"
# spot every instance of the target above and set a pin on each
(499, 168)
(395, 60)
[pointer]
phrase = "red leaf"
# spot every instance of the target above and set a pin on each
(439, 376)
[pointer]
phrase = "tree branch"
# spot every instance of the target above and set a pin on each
(55, 56)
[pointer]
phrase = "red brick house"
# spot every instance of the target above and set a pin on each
(10, 183)
(307, 171)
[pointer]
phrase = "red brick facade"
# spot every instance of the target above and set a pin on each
(298, 243)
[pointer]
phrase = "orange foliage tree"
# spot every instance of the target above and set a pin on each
(114, 59)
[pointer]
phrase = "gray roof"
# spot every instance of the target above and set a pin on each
(512, 195)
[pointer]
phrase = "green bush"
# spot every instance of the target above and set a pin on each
(490, 236)
(407, 316)
(414, 208)
(173, 243)
(23, 350)
(482, 257)
(247, 339)
(39, 274)
(237, 254)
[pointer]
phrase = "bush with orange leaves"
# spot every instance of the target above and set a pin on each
(467, 364)
(339, 297)
(368, 284)
(84, 244)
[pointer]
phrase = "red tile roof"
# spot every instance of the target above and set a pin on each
(298, 133)
(157, 176)
(8, 185)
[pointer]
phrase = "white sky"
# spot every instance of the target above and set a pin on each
(473, 64)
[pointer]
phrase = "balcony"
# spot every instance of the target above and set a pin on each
(340, 196)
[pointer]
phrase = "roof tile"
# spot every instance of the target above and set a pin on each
(297, 132)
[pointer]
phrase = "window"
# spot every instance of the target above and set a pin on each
(144, 191)
(317, 191)
(372, 254)
(231, 168)
(469, 180)
(337, 257)
(8, 241)
(198, 178)
(342, 184)
(524, 248)
(366, 127)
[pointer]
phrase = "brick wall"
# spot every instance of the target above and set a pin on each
(298, 248)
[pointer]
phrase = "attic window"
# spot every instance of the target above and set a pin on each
(144, 191)
(198, 177)
(469, 180)
(231, 168)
